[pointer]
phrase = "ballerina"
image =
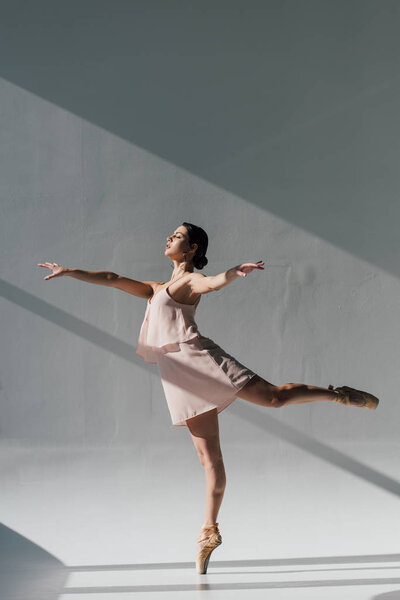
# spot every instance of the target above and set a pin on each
(199, 378)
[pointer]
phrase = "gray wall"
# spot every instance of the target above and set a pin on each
(273, 125)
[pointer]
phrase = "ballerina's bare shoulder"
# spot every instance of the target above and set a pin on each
(180, 290)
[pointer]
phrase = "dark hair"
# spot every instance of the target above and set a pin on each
(198, 236)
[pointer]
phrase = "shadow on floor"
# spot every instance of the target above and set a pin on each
(28, 571)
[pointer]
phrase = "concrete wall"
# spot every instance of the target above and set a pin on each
(273, 125)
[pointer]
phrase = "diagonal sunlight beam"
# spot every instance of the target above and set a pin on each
(292, 106)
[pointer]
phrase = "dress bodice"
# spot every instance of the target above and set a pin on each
(166, 323)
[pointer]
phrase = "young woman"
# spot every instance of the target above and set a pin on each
(199, 378)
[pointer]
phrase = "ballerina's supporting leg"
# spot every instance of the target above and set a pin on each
(260, 391)
(204, 430)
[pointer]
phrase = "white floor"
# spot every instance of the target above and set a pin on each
(107, 523)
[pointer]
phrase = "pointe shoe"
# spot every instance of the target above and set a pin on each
(351, 397)
(207, 541)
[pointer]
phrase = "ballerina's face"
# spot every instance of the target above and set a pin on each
(177, 243)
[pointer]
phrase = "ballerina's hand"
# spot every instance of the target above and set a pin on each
(245, 268)
(58, 271)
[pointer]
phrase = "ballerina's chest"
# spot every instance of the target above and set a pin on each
(166, 324)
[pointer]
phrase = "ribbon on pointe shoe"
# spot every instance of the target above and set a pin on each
(204, 536)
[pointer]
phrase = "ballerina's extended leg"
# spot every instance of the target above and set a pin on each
(260, 391)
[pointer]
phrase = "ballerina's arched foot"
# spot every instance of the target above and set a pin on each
(207, 541)
(352, 397)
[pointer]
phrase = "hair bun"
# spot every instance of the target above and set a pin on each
(200, 262)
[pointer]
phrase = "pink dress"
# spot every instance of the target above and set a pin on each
(197, 375)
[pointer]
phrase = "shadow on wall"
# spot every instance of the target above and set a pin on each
(264, 421)
(290, 105)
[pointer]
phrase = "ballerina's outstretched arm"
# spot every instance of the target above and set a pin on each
(201, 284)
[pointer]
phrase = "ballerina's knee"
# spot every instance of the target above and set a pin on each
(267, 394)
(277, 396)
(276, 401)
(286, 392)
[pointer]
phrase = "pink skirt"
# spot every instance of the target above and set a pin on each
(199, 377)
